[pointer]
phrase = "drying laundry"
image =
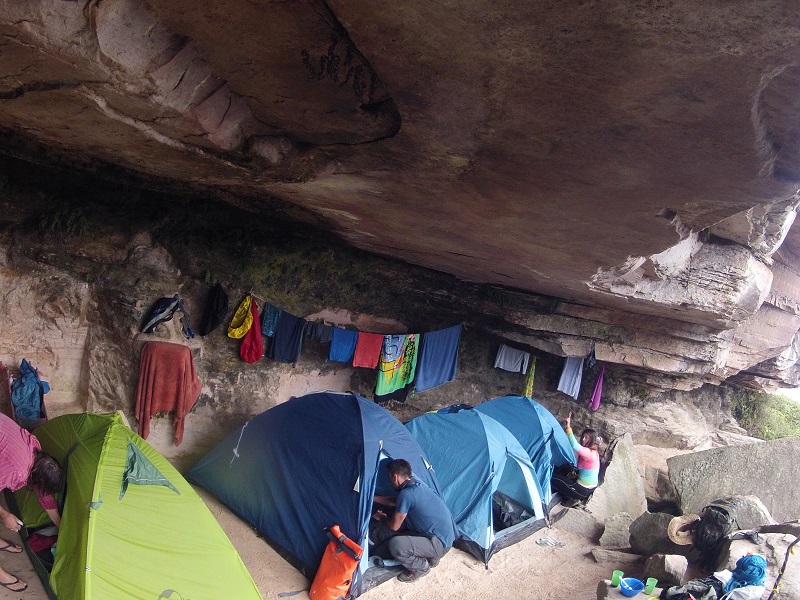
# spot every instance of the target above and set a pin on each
(511, 359)
(368, 350)
(570, 381)
(438, 358)
(398, 362)
(594, 403)
(269, 319)
(242, 320)
(343, 344)
(252, 347)
(288, 338)
(167, 382)
(528, 393)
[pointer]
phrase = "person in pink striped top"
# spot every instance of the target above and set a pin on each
(22, 462)
(588, 455)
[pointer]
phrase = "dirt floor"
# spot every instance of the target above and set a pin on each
(523, 571)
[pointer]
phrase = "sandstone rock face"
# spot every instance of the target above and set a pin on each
(761, 469)
(637, 168)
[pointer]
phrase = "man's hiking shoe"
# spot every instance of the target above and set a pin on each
(411, 576)
(433, 562)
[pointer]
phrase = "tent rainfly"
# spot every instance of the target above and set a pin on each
(131, 526)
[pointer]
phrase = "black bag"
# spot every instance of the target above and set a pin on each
(717, 521)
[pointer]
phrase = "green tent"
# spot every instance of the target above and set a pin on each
(132, 527)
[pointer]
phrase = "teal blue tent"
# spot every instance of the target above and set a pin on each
(486, 477)
(538, 431)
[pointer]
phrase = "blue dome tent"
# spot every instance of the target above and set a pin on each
(309, 463)
(538, 431)
(487, 479)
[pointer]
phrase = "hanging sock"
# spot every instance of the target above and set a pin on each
(594, 403)
(529, 380)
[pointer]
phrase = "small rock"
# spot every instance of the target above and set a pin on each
(669, 569)
(617, 531)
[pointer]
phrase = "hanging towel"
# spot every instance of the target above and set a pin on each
(167, 382)
(319, 331)
(343, 344)
(368, 350)
(398, 362)
(511, 359)
(594, 403)
(27, 392)
(215, 310)
(269, 319)
(570, 382)
(288, 338)
(242, 320)
(528, 393)
(252, 347)
(438, 358)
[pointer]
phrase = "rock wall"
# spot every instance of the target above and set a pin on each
(82, 261)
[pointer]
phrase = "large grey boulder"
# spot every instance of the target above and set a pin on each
(669, 569)
(765, 470)
(750, 512)
(580, 522)
(622, 489)
(648, 535)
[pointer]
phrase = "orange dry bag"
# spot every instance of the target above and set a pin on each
(339, 563)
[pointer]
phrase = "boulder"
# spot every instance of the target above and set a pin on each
(669, 569)
(580, 522)
(622, 489)
(617, 531)
(604, 555)
(765, 470)
(750, 512)
(648, 535)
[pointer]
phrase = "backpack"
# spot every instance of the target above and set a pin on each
(717, 521)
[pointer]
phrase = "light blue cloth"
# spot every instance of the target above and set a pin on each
(570, 382)
(437, 361)
(343, 345)
(27, 392)
(511, 359)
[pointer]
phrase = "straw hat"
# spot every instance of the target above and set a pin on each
(681, 529)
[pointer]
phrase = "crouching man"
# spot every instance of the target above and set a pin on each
(422, 528)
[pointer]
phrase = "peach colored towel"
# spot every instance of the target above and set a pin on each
(167, 382)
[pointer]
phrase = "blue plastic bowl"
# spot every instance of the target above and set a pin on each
(630, 586)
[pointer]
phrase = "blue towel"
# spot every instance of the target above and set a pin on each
(343, 345)
(269, 319)
(437, 361)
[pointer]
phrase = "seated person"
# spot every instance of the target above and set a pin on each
(421, 529)
(745, 582)
(588, 466)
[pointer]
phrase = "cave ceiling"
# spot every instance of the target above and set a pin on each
(526, 144)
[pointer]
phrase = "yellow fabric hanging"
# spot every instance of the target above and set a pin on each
(242, 320)
(529, 379)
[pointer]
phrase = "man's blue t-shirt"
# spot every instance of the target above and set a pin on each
(426, 512)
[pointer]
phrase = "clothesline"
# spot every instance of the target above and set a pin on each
(399, 358)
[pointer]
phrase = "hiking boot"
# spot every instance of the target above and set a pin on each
(433, 562)
(412, 576)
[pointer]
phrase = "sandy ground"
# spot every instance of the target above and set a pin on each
(523, 571)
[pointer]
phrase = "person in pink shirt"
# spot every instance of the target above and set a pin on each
(23, 463)
(588, 456)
